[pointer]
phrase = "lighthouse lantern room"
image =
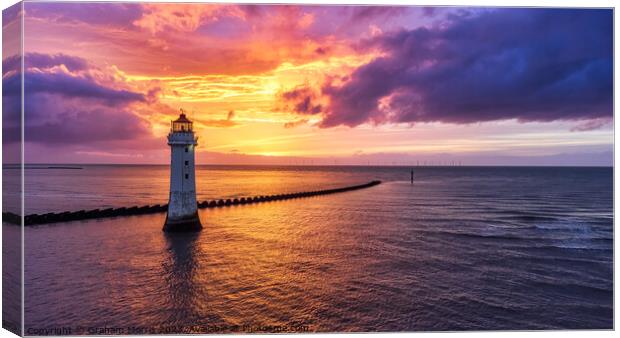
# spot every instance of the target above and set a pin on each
(182, 208)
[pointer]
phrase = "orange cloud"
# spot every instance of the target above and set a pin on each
(159, 17)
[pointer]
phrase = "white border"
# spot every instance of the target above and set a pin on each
(482, 3)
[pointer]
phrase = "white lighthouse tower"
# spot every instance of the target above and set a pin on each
(182, 208)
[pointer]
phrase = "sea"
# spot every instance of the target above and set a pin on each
(459, 248)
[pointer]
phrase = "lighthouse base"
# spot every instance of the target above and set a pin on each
(183, 224)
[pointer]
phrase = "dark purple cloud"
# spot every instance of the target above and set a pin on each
(77, 87)
(43, 61)
(429, 11)
(120, 15)
(68, 86)
(67, 107)
(53, 118)
(525, 64)
(11, 106)
(366, 13)
(75, 126)
(11, 64)
(11, 99)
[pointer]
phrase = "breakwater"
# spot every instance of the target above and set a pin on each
(67, 216)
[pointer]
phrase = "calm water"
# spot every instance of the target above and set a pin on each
(460, 249)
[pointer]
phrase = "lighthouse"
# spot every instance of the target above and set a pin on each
(182, 209)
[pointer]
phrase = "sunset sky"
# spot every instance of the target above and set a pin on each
(316, 84)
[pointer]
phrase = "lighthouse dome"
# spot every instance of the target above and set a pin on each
(181, 125)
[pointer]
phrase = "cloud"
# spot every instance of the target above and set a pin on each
(301, 100)
(77, 87)
(182, 17)
(593, 124)
(200, 39)
(524, 64)
(321, 50)
(39, 77)
(366, 13)
(11, 108)
(67, 103)
(43, 61)
(73, 126)
(295, 123)
(11, 15)
(11, 64)
(51, 120)
(221, 123)
(115, 15)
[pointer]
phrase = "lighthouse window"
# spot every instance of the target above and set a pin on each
(186, 149)
(186, 176)
(186, 162)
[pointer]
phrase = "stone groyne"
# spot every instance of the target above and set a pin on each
(67, 216)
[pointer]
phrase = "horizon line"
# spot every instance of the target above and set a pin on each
(5, 165)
